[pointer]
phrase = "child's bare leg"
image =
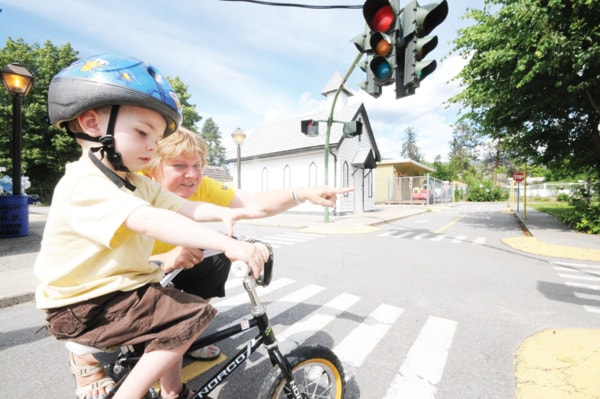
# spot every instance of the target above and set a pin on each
(163, 364)
(148, 370)
(170, 383)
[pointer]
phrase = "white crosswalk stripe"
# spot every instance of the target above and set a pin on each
(424, 365)
(300, 331)
(412, 235)
(357, 345)
(286, 239)
(422, 368)
(584, 279)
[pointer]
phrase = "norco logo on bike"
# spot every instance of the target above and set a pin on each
(295, 389)
(224, 373)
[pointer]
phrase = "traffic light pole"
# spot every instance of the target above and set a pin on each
(330, 122)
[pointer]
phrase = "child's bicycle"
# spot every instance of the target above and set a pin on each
(306, 372)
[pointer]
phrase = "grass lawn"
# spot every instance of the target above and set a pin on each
(559, 210)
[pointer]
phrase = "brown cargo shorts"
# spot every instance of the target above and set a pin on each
(159, 317)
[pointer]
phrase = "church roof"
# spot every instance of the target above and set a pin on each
(285, 137)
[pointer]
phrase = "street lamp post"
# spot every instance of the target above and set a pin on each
(18, 81)
(238, 138)
(14, 209)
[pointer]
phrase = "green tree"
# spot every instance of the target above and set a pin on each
(533, 78)
(212, 137)
(191, 118)
(442, 170)
(497, 159)
(463, 150)
(409, 145)
(46, 149)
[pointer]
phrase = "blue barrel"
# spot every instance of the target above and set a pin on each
(14, 216)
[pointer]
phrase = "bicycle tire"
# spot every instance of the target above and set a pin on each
(317, 370)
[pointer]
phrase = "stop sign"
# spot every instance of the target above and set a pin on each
(519, 177)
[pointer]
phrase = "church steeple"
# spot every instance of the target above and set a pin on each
(332, 86)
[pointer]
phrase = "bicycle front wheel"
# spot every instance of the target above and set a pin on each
(317, 371)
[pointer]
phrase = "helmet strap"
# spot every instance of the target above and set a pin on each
(108, 142)
(82, 136)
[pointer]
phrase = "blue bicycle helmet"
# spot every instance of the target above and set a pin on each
(109, 79)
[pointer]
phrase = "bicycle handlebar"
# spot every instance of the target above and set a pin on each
(240, 268)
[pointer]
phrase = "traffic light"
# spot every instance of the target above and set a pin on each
(309, 127)
(352, 129)
(417, 22)
(381, 17)
(369, 85)
(379, 43)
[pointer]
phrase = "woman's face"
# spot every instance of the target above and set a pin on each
(181, 175)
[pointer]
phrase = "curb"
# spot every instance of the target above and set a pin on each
(16, 299)
(522, 223)
(558, 363)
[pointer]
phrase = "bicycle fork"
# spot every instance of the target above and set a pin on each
(267, 337)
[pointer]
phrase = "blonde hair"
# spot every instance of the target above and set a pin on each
(182, 142)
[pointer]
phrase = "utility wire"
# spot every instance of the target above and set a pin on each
(271, 3)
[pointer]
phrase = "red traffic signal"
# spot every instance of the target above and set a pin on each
(379, 15)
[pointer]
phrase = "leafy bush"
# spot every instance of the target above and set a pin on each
(582, 213)
(585, 212)
(486, 193)
(563, 197)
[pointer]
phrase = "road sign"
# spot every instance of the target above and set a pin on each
(519, 177)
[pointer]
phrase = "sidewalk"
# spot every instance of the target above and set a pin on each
(551, 237)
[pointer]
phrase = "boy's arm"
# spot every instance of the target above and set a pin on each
(205, 212)
(171, 227)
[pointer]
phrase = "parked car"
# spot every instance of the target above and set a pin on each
(33, 199)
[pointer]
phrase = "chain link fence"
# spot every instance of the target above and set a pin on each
(422, 190)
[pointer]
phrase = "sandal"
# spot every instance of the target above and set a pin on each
(85, 391)
(206, 353)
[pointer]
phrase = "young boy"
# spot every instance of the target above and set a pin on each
(95, 281)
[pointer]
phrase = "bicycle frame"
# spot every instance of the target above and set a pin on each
(264, 337)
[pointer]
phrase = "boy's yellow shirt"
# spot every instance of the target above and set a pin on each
(86, 252)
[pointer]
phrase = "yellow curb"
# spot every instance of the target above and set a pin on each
(362, 229)
(535, 246)
(559, 364)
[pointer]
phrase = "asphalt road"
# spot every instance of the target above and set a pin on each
(432, 306)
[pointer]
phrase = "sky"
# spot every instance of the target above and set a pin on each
(248, 65)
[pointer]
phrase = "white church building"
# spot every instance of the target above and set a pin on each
(280, 156)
